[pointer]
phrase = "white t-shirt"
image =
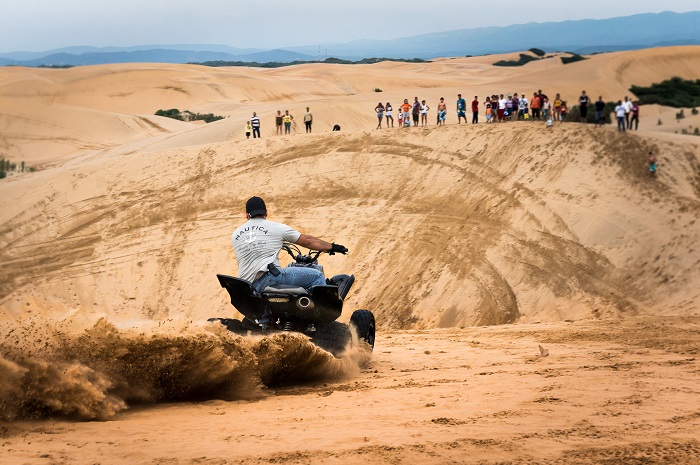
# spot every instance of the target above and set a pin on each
(257, 244)
(620, 111)
(627, 106)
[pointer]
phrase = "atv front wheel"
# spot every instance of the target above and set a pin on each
(362, 321)
(333, 337)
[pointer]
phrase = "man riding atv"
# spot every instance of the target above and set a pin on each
(295, 298)
(258, 242)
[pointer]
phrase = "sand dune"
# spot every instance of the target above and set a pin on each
(108, 256)
(486, 225)
(477, 225)
(57, 103)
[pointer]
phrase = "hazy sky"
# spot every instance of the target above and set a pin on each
(37, 25)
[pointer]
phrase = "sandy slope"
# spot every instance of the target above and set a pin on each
(449, 229)
(50, 113)
(486, 225)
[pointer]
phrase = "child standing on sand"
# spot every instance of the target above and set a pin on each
(489, 110)
(651, 159)
(248, 129)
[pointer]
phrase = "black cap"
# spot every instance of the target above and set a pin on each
(255, 206)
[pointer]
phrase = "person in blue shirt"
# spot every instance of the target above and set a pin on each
(461, 109)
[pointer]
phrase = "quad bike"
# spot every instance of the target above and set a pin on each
(289, 308)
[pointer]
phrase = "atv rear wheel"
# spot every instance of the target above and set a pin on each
(333, 337)
(362, 322)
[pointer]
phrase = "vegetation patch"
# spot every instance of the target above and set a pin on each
(675, 92)
(574, 113)
(538, 52)
(330, 60)
(524, 58)
(572, 58)
(9, 167)
(187, 115)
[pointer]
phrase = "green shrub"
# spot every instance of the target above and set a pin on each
(6, 167)
(572, 59)
(694, 111)
(680, 115)
(536, 51)
(674, 92)
(574, 113)
(178, 115)
(524, 58)
(377, 89)
(173, 113)
(329, 60)
(206, 117)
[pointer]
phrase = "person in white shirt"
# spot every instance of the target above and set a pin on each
(627, 105)
(620, 112)
(502, 108)
(257, 243)
(424, 113)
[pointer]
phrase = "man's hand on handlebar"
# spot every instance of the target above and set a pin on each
(337, 248)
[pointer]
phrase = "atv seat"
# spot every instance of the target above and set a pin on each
(285, 289)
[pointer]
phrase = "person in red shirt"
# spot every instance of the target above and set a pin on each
(535, 105)
(475, 110)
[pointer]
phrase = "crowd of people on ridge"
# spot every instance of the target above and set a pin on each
(496, 108)
(503, 108)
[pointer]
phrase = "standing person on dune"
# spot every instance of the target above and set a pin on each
(308, 119)
(599, 109)
(501, 109)
(424, 108)
(620, 114)
(442, 112)
(557, 108)
(475, 110)
(489, 109)
(379, 110)
(651, 160)
(415, 112)
(255, 123)
(461, 109)
(406, 113)
(627, 105)
(278, 122)
(388, 110)
(535, 105)
(287, 119)
(583, 102)
(634, 121)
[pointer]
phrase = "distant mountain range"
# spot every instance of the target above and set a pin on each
(580, 36)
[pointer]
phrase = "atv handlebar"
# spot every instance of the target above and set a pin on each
(309, 258)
